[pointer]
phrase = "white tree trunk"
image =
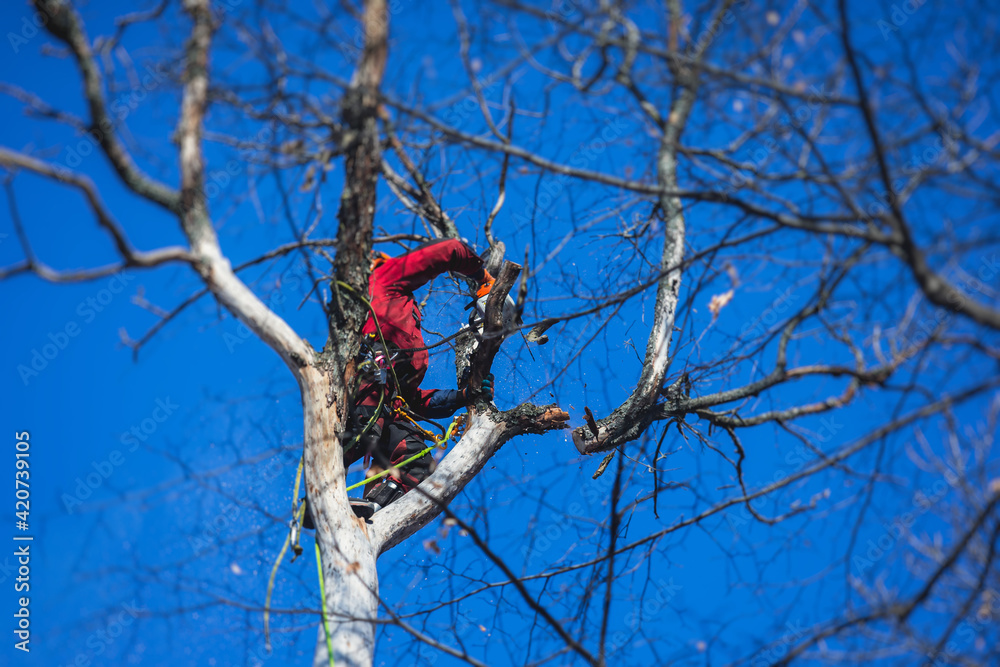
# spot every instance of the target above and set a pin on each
(349, 576)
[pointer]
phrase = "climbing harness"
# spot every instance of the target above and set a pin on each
(376, 360)
(439, 442)
(377, 363)
(294, 532)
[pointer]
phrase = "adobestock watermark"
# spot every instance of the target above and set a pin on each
(971, 628)
(101, 640)
(120, 108)
(6, 569)
(645, 611)
(779, 649)
(218, 180)
(712, 31)
(242, 334)
(223, 7)
(562, 10)
(459, 112)
(261, 653)
(797, 459)
(230, 512)
(584, 156)
(594, 493)
(131, 439)
(351, 50)
(127, 102)
(967, 284)
(27, 30)
(759, 154)
(899, 14)
(87, 310)
(923, 501)
(760, 325)
(928, 157)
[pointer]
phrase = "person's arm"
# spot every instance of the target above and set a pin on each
(441, 403)
(416, 268)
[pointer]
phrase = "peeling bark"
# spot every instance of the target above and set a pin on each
(348, 559)
(349, 547)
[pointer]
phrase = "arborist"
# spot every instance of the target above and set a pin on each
(389, 401)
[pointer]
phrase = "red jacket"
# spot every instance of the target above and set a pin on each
(391, 289)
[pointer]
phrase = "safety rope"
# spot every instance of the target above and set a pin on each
(298, 509)
(322, 596)
(439, 441)
(293, 530)
(378, 409)
(378, 325)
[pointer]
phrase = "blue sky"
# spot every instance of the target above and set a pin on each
(155, 533)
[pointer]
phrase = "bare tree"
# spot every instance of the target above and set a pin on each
(719, 151)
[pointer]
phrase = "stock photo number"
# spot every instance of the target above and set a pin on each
(22, 552)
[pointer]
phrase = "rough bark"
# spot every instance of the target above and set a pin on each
(349, 547)
(348, 559)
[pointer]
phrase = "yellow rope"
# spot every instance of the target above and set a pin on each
(281, 555)
(298, 511)
(439, 441)
(378, 325)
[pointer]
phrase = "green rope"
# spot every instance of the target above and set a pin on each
(382, 474)
(298, 511)
(281, 555)
(385, 346)
(356, 439)
(322, 593)
(378, 325)
(437, 442)
(450, 432)
(270, 589)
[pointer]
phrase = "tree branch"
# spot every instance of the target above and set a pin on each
(131, 256)
(65, 25)
(482, 439)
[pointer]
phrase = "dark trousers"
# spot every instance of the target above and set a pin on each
(391, 440)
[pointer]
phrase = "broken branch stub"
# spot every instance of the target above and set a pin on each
(493, 329)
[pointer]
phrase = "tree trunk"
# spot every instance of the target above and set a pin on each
(348, 558)
(350, 580)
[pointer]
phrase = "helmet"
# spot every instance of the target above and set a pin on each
(378, 259)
